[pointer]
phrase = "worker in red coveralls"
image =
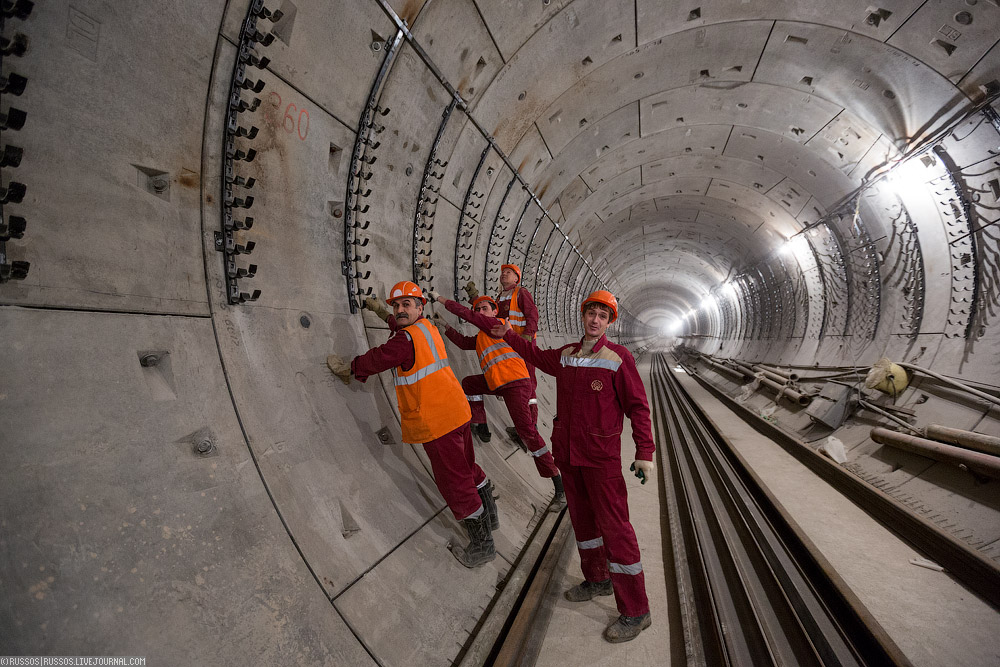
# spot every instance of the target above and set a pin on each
(505, 375)
(514, 303)
(433, 412)
(597, 384)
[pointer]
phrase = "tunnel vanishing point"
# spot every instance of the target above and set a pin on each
(197, 195)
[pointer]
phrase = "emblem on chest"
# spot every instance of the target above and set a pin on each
(597, 385)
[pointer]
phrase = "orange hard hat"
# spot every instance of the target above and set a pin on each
(402, 289)
(605, 297)
(482, 298)
(513, 267)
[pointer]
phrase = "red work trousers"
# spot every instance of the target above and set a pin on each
(598, 507)
(533, 402)
(515, 396)
(456, 473)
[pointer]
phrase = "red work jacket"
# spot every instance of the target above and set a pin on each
(594, 392)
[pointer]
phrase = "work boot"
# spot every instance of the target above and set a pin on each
(480, 549)
(489, 504)
(626, 628)
(513, 435)
(589, 590)
(558, 500)
(482, 431)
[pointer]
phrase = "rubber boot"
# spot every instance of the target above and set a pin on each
(489, 504)
(627, 628)
(482, 431)
(589, 590)
(559, 499)
(480, 549)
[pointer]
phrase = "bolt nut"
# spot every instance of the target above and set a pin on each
(376, 46)
(159, 185)
(204, 447)
(149, 360)
(409, 170)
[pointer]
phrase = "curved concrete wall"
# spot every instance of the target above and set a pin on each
(654, 153)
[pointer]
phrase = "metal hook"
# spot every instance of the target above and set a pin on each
(358, 225)
(357, 207)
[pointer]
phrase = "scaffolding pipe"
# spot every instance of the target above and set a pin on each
(983, 464)
(980, 442)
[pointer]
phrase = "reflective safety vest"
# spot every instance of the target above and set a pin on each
(430, 397)
(500, 363)
(518, 322)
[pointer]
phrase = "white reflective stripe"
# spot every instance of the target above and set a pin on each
(517, 322)
(539, 452)
(532, 401)
(618, 568)
(475, 515)
(493, 348)
(483, 483)
(497, 359)
(423, 324)
(584, 362)
(422, 373)
(474, 397)
(591, 544)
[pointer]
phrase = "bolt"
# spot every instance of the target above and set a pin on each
(149, 360)
(159, 185)
(489, 171)
(205, 446)
(337, 212)
(376, 46)
(409, 170)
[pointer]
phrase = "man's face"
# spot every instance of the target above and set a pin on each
(508, 278)
(407, 310)
(596, 319)
(486, 308)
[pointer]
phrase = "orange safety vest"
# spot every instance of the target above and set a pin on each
(431, 400)
(500, 363)
(518, 322)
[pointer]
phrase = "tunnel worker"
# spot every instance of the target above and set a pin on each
(433, 412)
(515, 303)
(505, 375)
(597, 384)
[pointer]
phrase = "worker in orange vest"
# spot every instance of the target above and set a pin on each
(514, 303)
(597, 385)
(505, 375)
(433, 412)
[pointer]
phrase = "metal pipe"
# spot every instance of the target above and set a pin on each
(722, 367)
(988, 444)
(788, 392)
(875, 408)
(955, 383)
(777, 377)
(790, 374)
(984, 464)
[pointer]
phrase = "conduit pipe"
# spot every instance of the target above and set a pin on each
(790, 374)
(783, 390)
(781, 379)
(984, 464)
(722, 367)
(980, 442)
(954, 383)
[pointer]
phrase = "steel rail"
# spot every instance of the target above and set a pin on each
(763, 595)
(978, 573)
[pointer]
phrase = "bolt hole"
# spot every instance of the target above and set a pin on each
(522, 95)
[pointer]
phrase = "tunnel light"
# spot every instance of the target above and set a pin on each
(729, 290)
(797, 248)
(708, 302)
(906, 178)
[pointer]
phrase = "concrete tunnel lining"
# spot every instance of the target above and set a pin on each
(104, 493)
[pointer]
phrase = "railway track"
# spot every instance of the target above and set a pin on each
(752, 589)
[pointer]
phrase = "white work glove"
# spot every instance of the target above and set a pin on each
(470, 289)
(439, 322)
(643, 469)
(375, 305)
(340, 368)
(432, 295)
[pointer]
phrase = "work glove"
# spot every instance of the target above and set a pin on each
(643, 469)
(432, 295)
(499, 330)
(375, 305)
(470, 289)
(340, 368)
(439, 322)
